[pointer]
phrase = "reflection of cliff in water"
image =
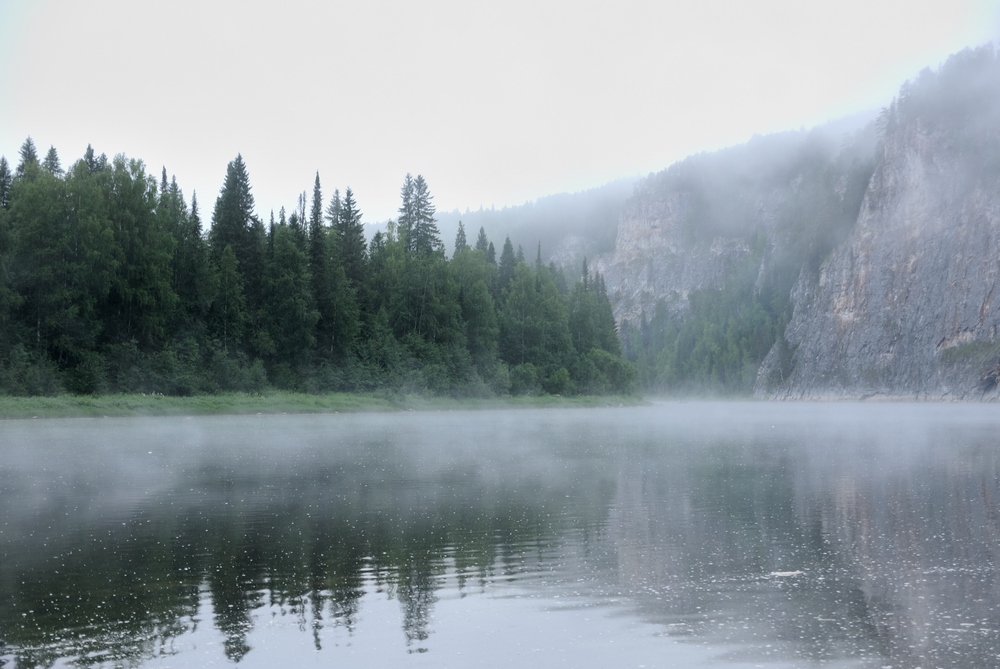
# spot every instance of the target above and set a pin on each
(709, 544)
(884, 546)
(918, 524)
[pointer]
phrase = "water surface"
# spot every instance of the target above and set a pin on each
(681, 534)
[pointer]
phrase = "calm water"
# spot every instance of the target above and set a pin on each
(678, 535)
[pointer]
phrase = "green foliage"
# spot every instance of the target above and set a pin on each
(109, 284)
(716, 347)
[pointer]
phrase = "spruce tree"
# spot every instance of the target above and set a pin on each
(94, 163)
(319, 270)
(233, 217)
(405, 224)
(505, 271)
(482, 244)
(460, 242)
(333, 209)
(351, 244)
(6, 181)
(234, 224)
(425, 237)
(52, 164)
(29, 158)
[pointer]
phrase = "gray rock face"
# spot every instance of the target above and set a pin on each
(908, 306)
(656, 257)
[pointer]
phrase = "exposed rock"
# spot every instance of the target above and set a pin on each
(916, 278)
(657, 258)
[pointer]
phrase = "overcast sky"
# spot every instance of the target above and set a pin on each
(494, 103)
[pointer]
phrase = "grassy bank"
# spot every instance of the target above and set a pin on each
(277, 402)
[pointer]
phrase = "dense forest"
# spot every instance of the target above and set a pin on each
(109, 283)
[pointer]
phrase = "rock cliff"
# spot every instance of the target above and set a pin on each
(876, 255)
(908, 305)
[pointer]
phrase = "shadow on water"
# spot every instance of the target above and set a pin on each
(768, 533)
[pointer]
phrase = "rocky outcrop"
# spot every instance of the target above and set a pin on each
(658, 258)
(908, 306)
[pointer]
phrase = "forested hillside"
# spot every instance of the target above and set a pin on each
(110, 283)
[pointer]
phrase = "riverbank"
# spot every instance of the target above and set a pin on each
(277, 402)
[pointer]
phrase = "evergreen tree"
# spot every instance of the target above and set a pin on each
(407, 215)
(425, 237)
(482, 244)
(94, 163)
(319, 270)
(192, 279)
(491, 254)
(29, 158)
(333, 210)
(52, 164)
(233, 218)
(6, 181)
(460, 242)
(351, 243)
(505, 270)
(234, 224)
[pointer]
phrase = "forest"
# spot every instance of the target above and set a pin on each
(109, 282)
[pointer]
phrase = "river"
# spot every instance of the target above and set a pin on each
(727, 534)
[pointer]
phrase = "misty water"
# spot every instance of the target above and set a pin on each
(679, 534)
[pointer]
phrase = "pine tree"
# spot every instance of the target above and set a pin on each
(491, 254)
(52, 164)
(460, 242)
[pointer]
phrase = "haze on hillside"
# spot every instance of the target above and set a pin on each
(494, 105)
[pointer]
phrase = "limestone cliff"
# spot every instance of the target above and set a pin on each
(694, 225)
(907, 305)
(823, 263)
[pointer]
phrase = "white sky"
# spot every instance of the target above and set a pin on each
(494, 103)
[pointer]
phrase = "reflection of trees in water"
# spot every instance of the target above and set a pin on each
(128, 593)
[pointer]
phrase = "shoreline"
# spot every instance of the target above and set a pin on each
(277, 402)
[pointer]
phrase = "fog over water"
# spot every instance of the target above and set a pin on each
(679, 534)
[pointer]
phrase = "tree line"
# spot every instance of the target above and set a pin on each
(110, 283)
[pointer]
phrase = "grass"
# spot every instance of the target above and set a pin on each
(274, 402)
(974, 351)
